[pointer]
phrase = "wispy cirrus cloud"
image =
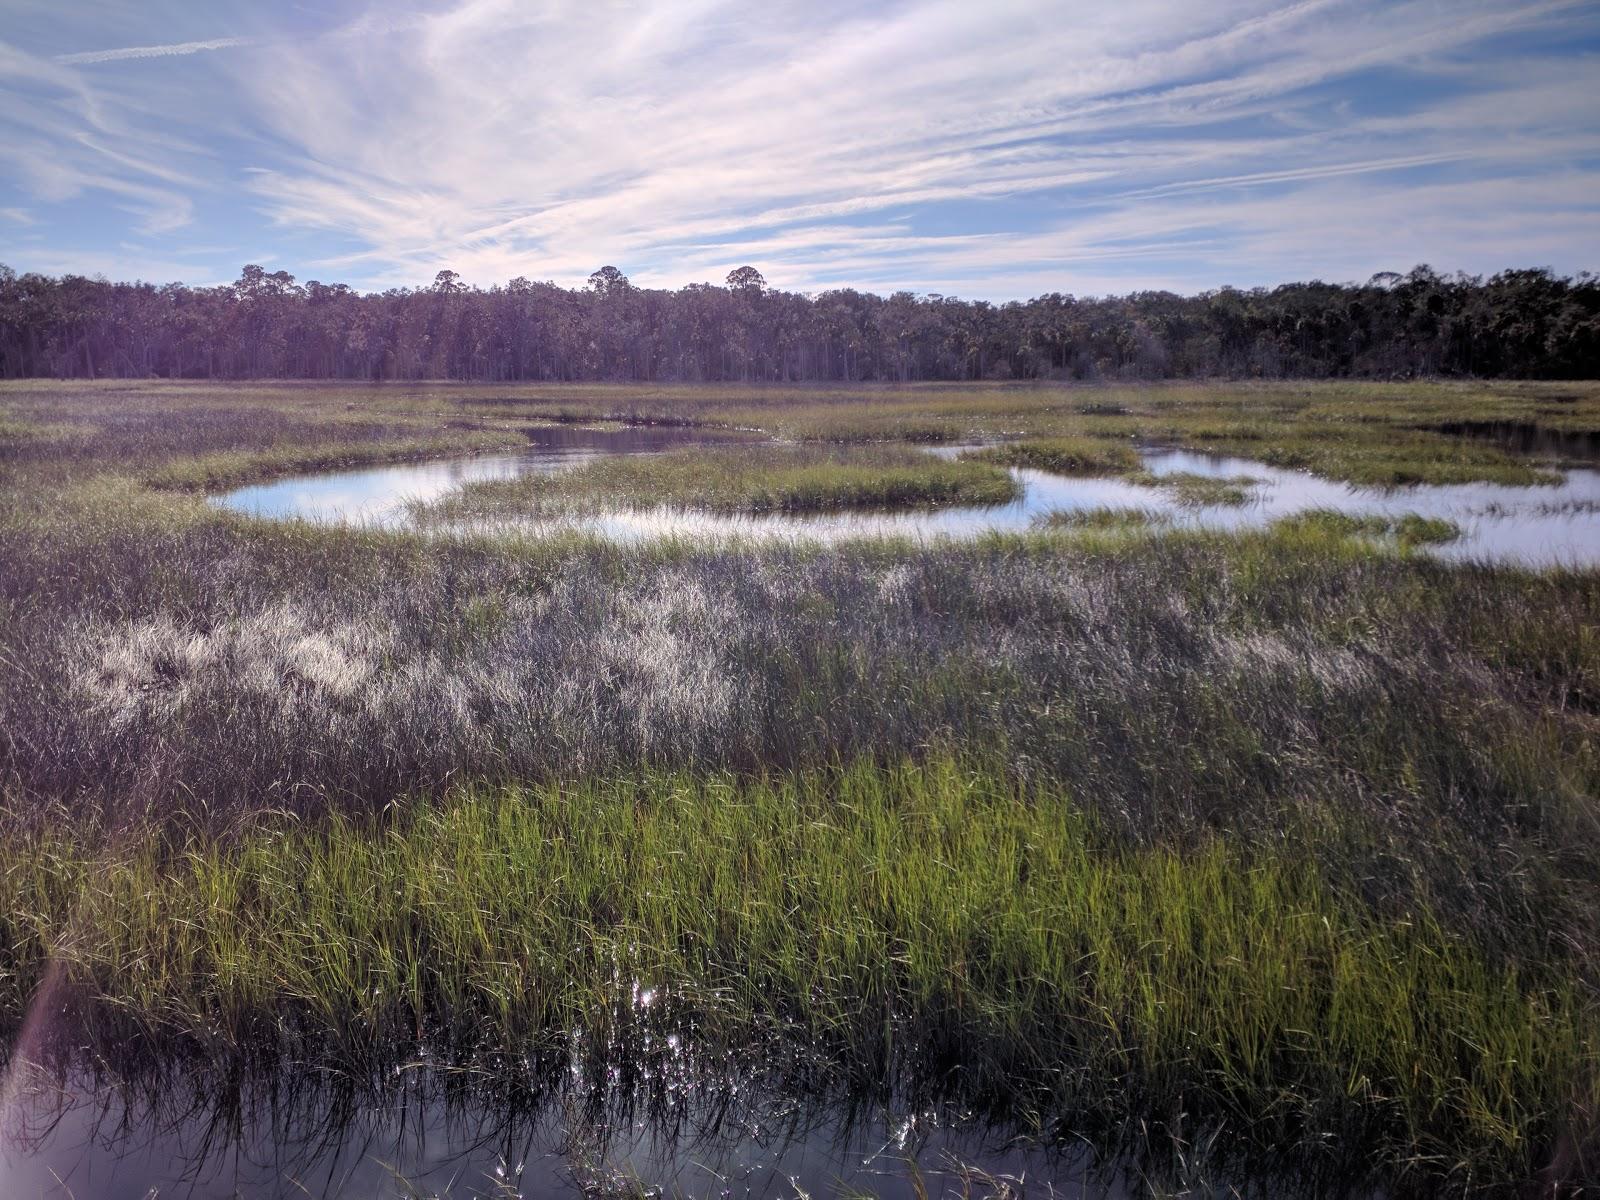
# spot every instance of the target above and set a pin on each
(986, 150)
(61, 138)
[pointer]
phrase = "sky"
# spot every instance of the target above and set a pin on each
(993, 150)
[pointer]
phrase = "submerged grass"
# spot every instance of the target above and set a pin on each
(752, 479)
(903, 914)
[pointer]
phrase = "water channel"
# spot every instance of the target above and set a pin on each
(1549, 524)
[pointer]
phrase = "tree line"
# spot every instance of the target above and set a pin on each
(1518, 323)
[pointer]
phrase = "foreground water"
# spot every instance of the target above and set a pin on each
(659, 1122)
(77, 1138)
(1552, 524)
(656, 1114)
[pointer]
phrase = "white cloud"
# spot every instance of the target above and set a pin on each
(936, 144)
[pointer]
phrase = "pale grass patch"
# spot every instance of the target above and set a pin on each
(156, 668)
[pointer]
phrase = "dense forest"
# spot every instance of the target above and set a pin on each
(1521, 323)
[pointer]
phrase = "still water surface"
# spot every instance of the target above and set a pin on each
(75, 1137)
(1541, 525)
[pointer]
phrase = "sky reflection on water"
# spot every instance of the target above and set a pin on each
(1553, 524)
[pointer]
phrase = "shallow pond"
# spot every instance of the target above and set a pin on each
(1540, 525)
(379, 495)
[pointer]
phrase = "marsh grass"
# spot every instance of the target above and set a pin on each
(1370, 434)
(1407, 531)
(1293, 827)
(894, 917)
(754, 479)
(1199, 491)
(1063, 456)
(15, 435)
(1393, 458)
(1366, 433)
(1173, 680)
(1124, 520)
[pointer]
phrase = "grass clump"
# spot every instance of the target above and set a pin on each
(1415, 530)
(750, 479)
(1406, 531)
(17, 434)
(1062, 456)
(1199, 491)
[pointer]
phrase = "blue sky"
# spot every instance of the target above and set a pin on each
(992, 150)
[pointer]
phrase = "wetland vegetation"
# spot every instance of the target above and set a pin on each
(741, 478)
(1275, 847)
(1063, 456)
(1199, 491)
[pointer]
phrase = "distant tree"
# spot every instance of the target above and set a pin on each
(252, 278)
(608, 281)
(746, 279)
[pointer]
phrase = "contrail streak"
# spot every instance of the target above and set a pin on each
(174, 48)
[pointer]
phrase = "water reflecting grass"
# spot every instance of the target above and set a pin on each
(471, 1130)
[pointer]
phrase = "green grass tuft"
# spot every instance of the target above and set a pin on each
(1406, 531)
(1130, 520)
(1199, 491)
(752, 479)
(1062, 456)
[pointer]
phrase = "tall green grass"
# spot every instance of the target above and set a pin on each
(894, 918)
